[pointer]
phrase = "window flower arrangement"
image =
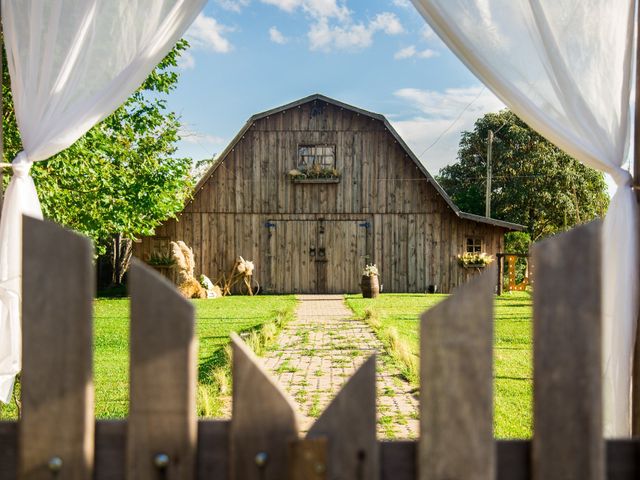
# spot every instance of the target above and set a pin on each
(370, 271)
(161, 260)
(314, 172)
(478, 260)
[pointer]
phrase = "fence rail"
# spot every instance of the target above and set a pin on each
(57, 436)
(397, 458)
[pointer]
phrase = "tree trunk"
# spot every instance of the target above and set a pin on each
(122, 249)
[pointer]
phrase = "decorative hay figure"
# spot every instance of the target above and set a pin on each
(188, 285)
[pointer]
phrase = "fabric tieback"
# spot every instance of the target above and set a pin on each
(21, 165)
(622, 177)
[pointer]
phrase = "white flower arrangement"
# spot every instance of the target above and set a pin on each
(370, 271)
(474, 259)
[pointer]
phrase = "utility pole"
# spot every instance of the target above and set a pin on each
(487, 200)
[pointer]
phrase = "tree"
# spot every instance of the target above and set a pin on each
(120, 180)
(534, 183)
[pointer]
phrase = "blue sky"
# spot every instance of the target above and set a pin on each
(251, 55)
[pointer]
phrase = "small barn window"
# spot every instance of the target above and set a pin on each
(324, 156)
(474, 244)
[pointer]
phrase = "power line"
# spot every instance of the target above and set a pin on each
(453, 122)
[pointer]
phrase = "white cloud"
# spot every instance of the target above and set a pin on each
(189, 135)
(351, 36)
(233, 5)
(332, 25)
(444, 115)
(402, 3)
(276, 36)
(315, 8)
(388, 23)
(427, 53)
(407, 52)
(186, 61)
(322, 36)
(286, 5)
(412, 51)
(207, 34)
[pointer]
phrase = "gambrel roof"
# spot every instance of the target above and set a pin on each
(376, 116)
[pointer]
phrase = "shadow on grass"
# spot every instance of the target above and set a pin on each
(207, 364)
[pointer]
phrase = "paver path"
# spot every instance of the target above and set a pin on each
(319, 350)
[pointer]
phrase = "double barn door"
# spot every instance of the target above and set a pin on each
(316, 256)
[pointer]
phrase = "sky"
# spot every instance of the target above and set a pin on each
(248, 56)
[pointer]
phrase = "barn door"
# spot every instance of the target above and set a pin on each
(315, 256)
(344, 247)
(291, 268)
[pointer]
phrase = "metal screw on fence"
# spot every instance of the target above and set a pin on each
(161, 461)
(261, 459)
(55, 464)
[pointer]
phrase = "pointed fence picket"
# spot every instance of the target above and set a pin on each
(57, 437)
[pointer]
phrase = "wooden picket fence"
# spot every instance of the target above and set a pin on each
(58, 438)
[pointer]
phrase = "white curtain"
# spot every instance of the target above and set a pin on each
(72, 63)
(564, 67)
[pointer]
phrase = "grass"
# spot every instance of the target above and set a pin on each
(215, 320)
(394, 317)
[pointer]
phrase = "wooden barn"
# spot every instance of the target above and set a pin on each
(314, 190)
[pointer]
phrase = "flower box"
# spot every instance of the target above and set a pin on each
(315, 180)
(474, 260)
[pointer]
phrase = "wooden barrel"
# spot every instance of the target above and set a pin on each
(370, 286)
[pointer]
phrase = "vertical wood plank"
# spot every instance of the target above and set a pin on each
(567, 380)
(349, 424)
(263, 420)
(8, 450)
(213, 450)
(456, 400)
(111, 441)
(57, 389)
(162, 418)
(397, 460)
(308, 459)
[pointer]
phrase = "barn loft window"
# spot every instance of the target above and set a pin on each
(323, 156)
(316, 164)
(474, 244)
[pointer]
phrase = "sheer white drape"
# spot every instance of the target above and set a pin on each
(564, 67)
(72, 62)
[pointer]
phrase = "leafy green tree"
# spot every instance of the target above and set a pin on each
(120, 180)
(517, 242)
(534, 183)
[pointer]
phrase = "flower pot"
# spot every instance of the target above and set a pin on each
(370, 286)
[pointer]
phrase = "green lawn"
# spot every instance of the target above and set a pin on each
(215, 320)
(513, 359)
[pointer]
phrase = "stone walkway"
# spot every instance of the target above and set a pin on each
(319, 350)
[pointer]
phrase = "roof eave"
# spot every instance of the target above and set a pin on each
(492, 221)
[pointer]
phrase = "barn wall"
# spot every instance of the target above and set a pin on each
(411, 233)
(412, 251)
(377, 174)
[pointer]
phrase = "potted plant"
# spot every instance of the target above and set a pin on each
(474, 260)
(369, 282)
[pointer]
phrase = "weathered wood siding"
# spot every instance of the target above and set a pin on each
(383, 211)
